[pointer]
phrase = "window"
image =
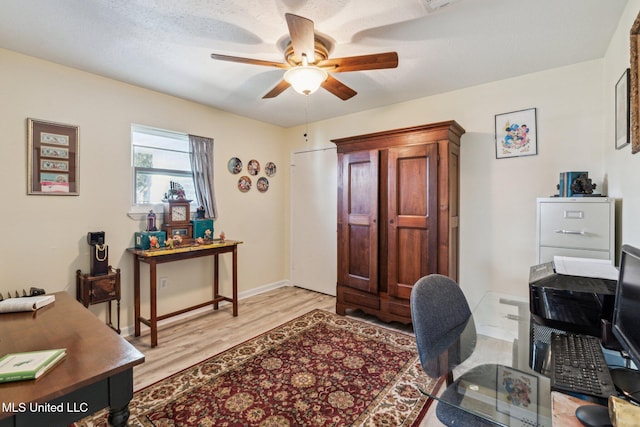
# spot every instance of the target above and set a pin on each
(159, 157)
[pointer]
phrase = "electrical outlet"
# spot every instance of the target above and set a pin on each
(164, 282)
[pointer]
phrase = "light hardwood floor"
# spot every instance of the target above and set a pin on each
(186, 342)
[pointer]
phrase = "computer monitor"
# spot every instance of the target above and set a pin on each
(626, 313)
(626, 321)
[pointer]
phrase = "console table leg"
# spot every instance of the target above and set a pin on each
(216, 283)
(109, 320)
(235, 281)
(136, 296)
(153, 303)
(118, 305)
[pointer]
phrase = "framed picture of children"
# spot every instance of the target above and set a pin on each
(516, 134)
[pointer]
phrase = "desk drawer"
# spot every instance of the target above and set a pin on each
(575, 225)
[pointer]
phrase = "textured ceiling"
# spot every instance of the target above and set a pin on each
(165, 45)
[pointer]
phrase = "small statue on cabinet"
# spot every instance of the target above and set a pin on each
(200, 212)
(169, 243)
(207, 234)
(176, 191)
(583, 185)
(151, 221)
(153, 242)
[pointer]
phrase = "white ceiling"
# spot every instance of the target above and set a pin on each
(165, 45)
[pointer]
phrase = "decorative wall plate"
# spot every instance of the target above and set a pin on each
(244, 184)
(270, 169)
(253, 167)
(263, 184)
(234, 165)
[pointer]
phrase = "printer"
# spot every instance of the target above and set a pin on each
(571, 303)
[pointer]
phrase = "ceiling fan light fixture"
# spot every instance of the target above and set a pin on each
(305, 79)
(305, 48)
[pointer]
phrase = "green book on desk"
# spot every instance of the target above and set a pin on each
(28, 365)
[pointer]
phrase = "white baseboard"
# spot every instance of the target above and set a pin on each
(144, 330)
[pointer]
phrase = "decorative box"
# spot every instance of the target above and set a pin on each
(200, 226)
(142, 239)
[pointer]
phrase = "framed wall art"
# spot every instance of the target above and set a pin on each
(263, 184)
(234, 165)
(270, 169)
(253, 167)
(244, 184)
(516, 134)
(622, 111)
(634, 85)
(53, 158)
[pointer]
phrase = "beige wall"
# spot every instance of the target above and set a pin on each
(498, 197)
(623, 169)
(575, 114)
(44, 237)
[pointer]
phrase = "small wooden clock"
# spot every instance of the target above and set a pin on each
(177, 211)
(177, 218)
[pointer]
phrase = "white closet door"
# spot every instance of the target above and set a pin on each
(314, 220)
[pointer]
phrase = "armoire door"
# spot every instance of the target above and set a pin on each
(412, 229)
(358, 220)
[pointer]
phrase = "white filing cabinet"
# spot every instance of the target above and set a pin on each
(575, 226)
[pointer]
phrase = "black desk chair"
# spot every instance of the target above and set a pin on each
(441, 315)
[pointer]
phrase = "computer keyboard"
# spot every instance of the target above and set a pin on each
(578, 366)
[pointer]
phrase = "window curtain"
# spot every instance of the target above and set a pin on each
(202, 167)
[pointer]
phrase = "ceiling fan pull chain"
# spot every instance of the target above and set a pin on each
(306, 119)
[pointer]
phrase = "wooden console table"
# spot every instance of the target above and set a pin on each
(96, 373)
(159, 256)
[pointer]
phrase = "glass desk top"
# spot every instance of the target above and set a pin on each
(490, 358)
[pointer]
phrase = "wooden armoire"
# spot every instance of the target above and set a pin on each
(398, 207)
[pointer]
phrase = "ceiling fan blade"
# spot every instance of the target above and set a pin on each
(338, 88)
(248, 61)
(302, 36)
(277, 90)
(374, 61)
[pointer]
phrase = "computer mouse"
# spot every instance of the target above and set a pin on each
(594, 416)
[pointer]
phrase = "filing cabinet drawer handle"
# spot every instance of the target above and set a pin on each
(574, 214)
(570, 232)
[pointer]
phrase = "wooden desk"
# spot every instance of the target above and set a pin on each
(97, 371)
(159, 256)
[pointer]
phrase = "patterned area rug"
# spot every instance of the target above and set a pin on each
(320, 369)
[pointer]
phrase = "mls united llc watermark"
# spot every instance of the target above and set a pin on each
(13, 407)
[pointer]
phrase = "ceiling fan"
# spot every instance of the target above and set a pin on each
(308, 65)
